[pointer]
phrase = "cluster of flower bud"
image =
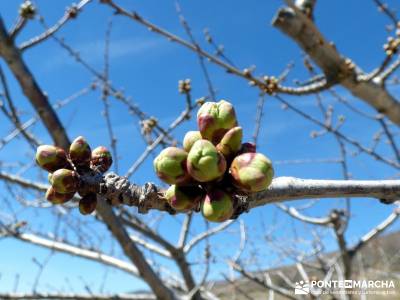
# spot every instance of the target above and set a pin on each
(213, 166)
(392, 46)
(271, 84)
(184, 86)
(27, 10)
(66, 168)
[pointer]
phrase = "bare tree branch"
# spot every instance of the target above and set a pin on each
(70, 14)
(149, 246)
(31, 88)
(40, 102)
(376, 231)
(279, 290)
(197, 239)
(337, 69)
(293, 212)
(76, 251)
(119, 191)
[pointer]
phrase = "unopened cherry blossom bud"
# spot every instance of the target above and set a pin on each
(190, 138)
(51, 158)
(170, 165)
(64, 181)
(217, 206)
(204, 162)
(184, 197)
(101, 159)
(231, 142)
(251, 172)
(80, 152)
(214, 119)
(88, 203)
(58, 198)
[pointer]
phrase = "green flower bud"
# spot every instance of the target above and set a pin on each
(65, 181)
(190, 138)
(204, 162)
(80, 152)
(87, 204)
(58, 198)
(170, 165)
(101, 159)
(215, 119)
(184, 197)
(51, 158)
(231, 142)
(251, 172)
(217, 206)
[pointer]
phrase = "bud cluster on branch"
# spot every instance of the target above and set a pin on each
(67, 170)
(212, 172)
(214, 167)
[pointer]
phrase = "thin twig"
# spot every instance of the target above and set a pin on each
(70, 14)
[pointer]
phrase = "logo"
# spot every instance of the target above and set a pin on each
(302, 288)
(319, 287)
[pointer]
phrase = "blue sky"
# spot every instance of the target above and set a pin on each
(147, 67)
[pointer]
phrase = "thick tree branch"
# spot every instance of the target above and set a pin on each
(290, 188)
(132, 251)
(30, 87)
(337, 69)
(118, 190)
(134, 222)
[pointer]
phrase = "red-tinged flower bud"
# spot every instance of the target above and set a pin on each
(251, 172)
(190, 138)
(231, 142)
(170, 166)
(204, 162)
(217, 206)
(214, 119)
(58, 198)
(51, 158)
(184, 197)
(88, 203)
(65, 181)
(101, 159)
(80, 152)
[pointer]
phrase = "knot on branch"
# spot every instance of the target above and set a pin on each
(114, 187)
(149, 194)
(118, 190)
